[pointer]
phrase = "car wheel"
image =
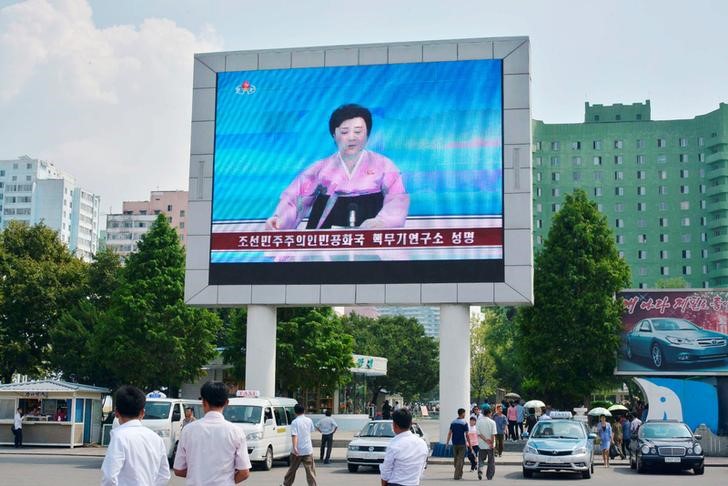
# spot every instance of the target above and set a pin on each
(287, 460)
(656, 356)
(586, 474)
(352, 467)
(591, 467)
(268, 460)
(699, 470)
(527, 473)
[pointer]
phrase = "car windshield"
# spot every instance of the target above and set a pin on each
(665, 431)
(557, 430)
(673, 325)
(377, 429)
(243, 414)
(156, 410)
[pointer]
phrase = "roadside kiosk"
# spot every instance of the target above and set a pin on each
(55, 413)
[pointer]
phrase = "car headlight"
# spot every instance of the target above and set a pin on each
(579, 450)
(680, 340)
(163, 433)
(645, 449)
(529, 450)
(254, 436)
(353, 448)
(698, 449)
(690, 450)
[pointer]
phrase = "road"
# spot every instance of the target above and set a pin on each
(27, 470)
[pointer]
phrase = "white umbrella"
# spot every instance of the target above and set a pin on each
(618, 408)
(596, 412)
(512, 396)
(534, 404)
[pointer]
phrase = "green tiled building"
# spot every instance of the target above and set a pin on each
(662, 184)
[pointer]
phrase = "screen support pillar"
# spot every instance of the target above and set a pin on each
(260, 350)
(454, 363)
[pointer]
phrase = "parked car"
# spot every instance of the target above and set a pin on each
(369, 446)
(667, 443)
(668, 341)
(559, 445)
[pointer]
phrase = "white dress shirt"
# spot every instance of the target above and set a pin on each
(302, 427)
(404, 460)
(18, 421)
(486, 428)
(327, 425)
(136, 457)
(212, 449)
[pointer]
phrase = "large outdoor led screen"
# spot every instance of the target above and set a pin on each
(388, 173)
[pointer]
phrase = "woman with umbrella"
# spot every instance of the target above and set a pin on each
(604, 430)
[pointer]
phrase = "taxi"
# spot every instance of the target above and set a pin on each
(559, 444)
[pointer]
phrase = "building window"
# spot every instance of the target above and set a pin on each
(661, 159)
(662, 190)
(640, 159)
(576, 145)
(618, 159)
(664, 238)
(555, 207)
(663, 222)
(703, 237)
(685, 238)
(618, 175)
(685, 221)
(539, 208)
(555, 192)
(641, 206)
(684, 174)
(702, 204)
(555, 145)
(661, 143)
(597, 175)
(539, 240)
(619, 191)
(620, 239)
(576, 160)
(684, 189)
(182, 225)
(619, 207)
(663, 254)
(555, 161)
(538, 177)
(704, 253)
(683, 157)
(687, 270)
(539, 223)
(683, 142)
(703, 221)
(537, 161)
(641, 238)
(685, 205)
(701, 141)
(662, 174)
(555, 176)
(641, 174)
(664, 270)
(641, 190)
(618, 144)
(538, 146)
(686, 254)
(538, 192)
(701, 157)
(619, 223)
(597, 160)
(169, 207)
(642, 254)
(597, 191)
(577, 176)
(640, 144)
(641, 223)
(618, 117)
(597, 145)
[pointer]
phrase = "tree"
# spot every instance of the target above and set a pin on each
(313, 350)
(76, 351)
(671, 283)
(39, 279)
(482, 367)
(412, 366)
(233, 340)
(151, 337)
(569, 338)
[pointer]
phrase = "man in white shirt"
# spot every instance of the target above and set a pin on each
(18, 428)
(211, 450)
(136, 456)
(302, 452)
(327, 426)
(406, 454)
(486, 438)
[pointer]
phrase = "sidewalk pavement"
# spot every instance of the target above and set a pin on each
(338, 455)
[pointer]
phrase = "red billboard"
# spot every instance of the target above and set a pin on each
(674, 332)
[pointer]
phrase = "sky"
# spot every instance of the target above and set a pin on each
(103, 89)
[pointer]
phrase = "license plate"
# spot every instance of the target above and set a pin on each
(672, 459)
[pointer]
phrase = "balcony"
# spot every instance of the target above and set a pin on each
(722, 155)
(718, 223)
(715, 173)
(718, 256)
(718, 273)
(713, 190)
(718, 205)
(717, 240)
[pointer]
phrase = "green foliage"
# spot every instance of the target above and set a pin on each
(413, 357)
(39, 280)
(233, 340)
(313, 349)
(569, 339)
(671, 283)
(482, 366)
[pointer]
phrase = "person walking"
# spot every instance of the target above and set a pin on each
(136, 455)
(520, 417)
(626, 435)
(458, 433)
(604, 430)
(386, 410)
(17, 428)
(473, 441)
(302, 452)
(189, 417)
(501, 424)
(406, 456)
(617, 440)
(486, 438)
(327, 426)
(512, 415)
(212, 450)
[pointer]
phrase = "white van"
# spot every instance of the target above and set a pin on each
(266, 425)
(164, 416)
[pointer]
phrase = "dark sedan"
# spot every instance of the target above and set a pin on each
(668, 341)
(667, 443)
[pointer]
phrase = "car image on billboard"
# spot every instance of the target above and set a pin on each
(674, 332)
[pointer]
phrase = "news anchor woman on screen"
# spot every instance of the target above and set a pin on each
(352, 188)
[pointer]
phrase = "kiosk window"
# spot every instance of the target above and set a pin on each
(7, 408)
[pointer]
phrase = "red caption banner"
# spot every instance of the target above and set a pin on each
(345, 239)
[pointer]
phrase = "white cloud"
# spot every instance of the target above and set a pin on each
(111, 106)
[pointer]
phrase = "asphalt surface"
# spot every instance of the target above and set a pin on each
(41, 470)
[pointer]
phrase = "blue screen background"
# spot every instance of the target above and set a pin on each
(439, 122)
